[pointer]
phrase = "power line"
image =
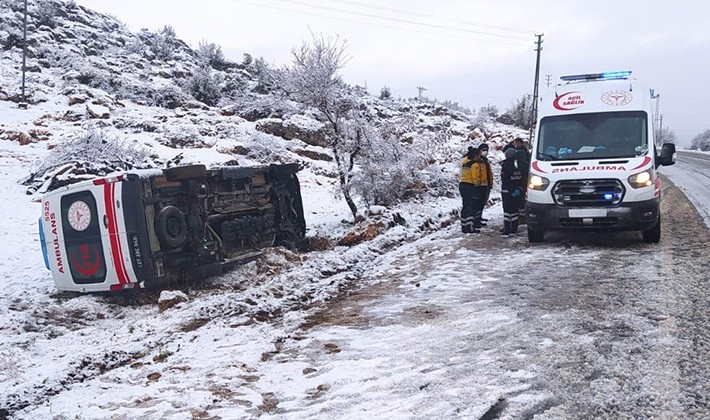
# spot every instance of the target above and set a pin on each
(426, 15)
(302, 12)
(372, 15)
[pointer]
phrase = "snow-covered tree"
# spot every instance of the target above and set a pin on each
(263, 72)
(519, 114)
(204, 85)
(164, 44)
(46, 14)
(211, 54)
(313, 79)
(490, 111)
(400, 161)
(701, 141)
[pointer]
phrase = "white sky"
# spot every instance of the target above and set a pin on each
(440, 45)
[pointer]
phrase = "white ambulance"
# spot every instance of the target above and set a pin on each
(153, 227)
(594, 159)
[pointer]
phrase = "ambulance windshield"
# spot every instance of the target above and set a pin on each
(602, 135)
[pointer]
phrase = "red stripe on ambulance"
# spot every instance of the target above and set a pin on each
(114, 240)
(645, 162)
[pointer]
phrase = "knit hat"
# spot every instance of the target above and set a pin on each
(510, 153)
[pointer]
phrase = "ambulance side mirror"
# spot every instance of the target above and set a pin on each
(667, 156)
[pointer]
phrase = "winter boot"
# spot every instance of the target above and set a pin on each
(506, 229)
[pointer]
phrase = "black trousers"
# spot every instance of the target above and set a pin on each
(472, 205)
(511, 211)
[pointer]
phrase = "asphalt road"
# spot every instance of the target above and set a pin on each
(692, 175)
(582, 326)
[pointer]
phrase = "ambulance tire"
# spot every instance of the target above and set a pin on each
(171, 227)
(180, 173)
(535, 236)
(653, 235)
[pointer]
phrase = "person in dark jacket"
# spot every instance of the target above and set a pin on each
(472, 186)
(511, 178)
(489, 175)
(522, 158)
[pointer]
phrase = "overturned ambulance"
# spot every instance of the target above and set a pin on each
(594, 160)
(151, 227)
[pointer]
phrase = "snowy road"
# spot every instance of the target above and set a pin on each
(692, 175)
(588, 326)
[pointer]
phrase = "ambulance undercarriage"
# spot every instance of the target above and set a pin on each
(152, 228)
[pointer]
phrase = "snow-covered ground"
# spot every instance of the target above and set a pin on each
(420, 322)
(98, 356)
(445, 326)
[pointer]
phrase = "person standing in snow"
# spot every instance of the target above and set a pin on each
(522, 158)
(472, 188)
(511, 178)
(489, 176)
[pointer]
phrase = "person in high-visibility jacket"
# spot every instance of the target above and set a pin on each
(473, 186)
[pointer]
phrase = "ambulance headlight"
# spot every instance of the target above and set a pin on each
(538, 183)
(641, 179)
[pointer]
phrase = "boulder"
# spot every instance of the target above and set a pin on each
(299, 127)
(170, 298)
(98, 111)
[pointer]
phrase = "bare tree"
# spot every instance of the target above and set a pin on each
(314, 80)
(668, 136)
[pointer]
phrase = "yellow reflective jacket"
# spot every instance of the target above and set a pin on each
(473, 172)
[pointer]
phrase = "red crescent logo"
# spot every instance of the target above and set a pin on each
(83, 267)
(568, 101)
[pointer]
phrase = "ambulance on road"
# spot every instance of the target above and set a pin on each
(594, 159)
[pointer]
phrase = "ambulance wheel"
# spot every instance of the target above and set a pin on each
(179, 173)
(653, 235)
(535, 236)
(171, 227)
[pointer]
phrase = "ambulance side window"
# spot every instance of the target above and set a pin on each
(82, 237)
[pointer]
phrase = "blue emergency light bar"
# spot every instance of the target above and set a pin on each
(594, 76)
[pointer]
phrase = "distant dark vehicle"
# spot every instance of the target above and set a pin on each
(147, 228)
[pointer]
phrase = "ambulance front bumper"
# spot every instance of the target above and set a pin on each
(641, 215)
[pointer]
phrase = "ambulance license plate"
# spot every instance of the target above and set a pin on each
(587, 213)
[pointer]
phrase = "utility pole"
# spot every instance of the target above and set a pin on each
(420, 89)
(548, 79)
(24, 58)
(537, 81)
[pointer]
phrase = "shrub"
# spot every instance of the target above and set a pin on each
(234, 86)
(164, 44)
(211, 54)
(204, 86)
(96, 146)
(46, 14)
(168, 97)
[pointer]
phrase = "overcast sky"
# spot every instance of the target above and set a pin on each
(474, 52)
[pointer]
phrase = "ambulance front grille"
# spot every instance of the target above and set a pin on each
(588, 192)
